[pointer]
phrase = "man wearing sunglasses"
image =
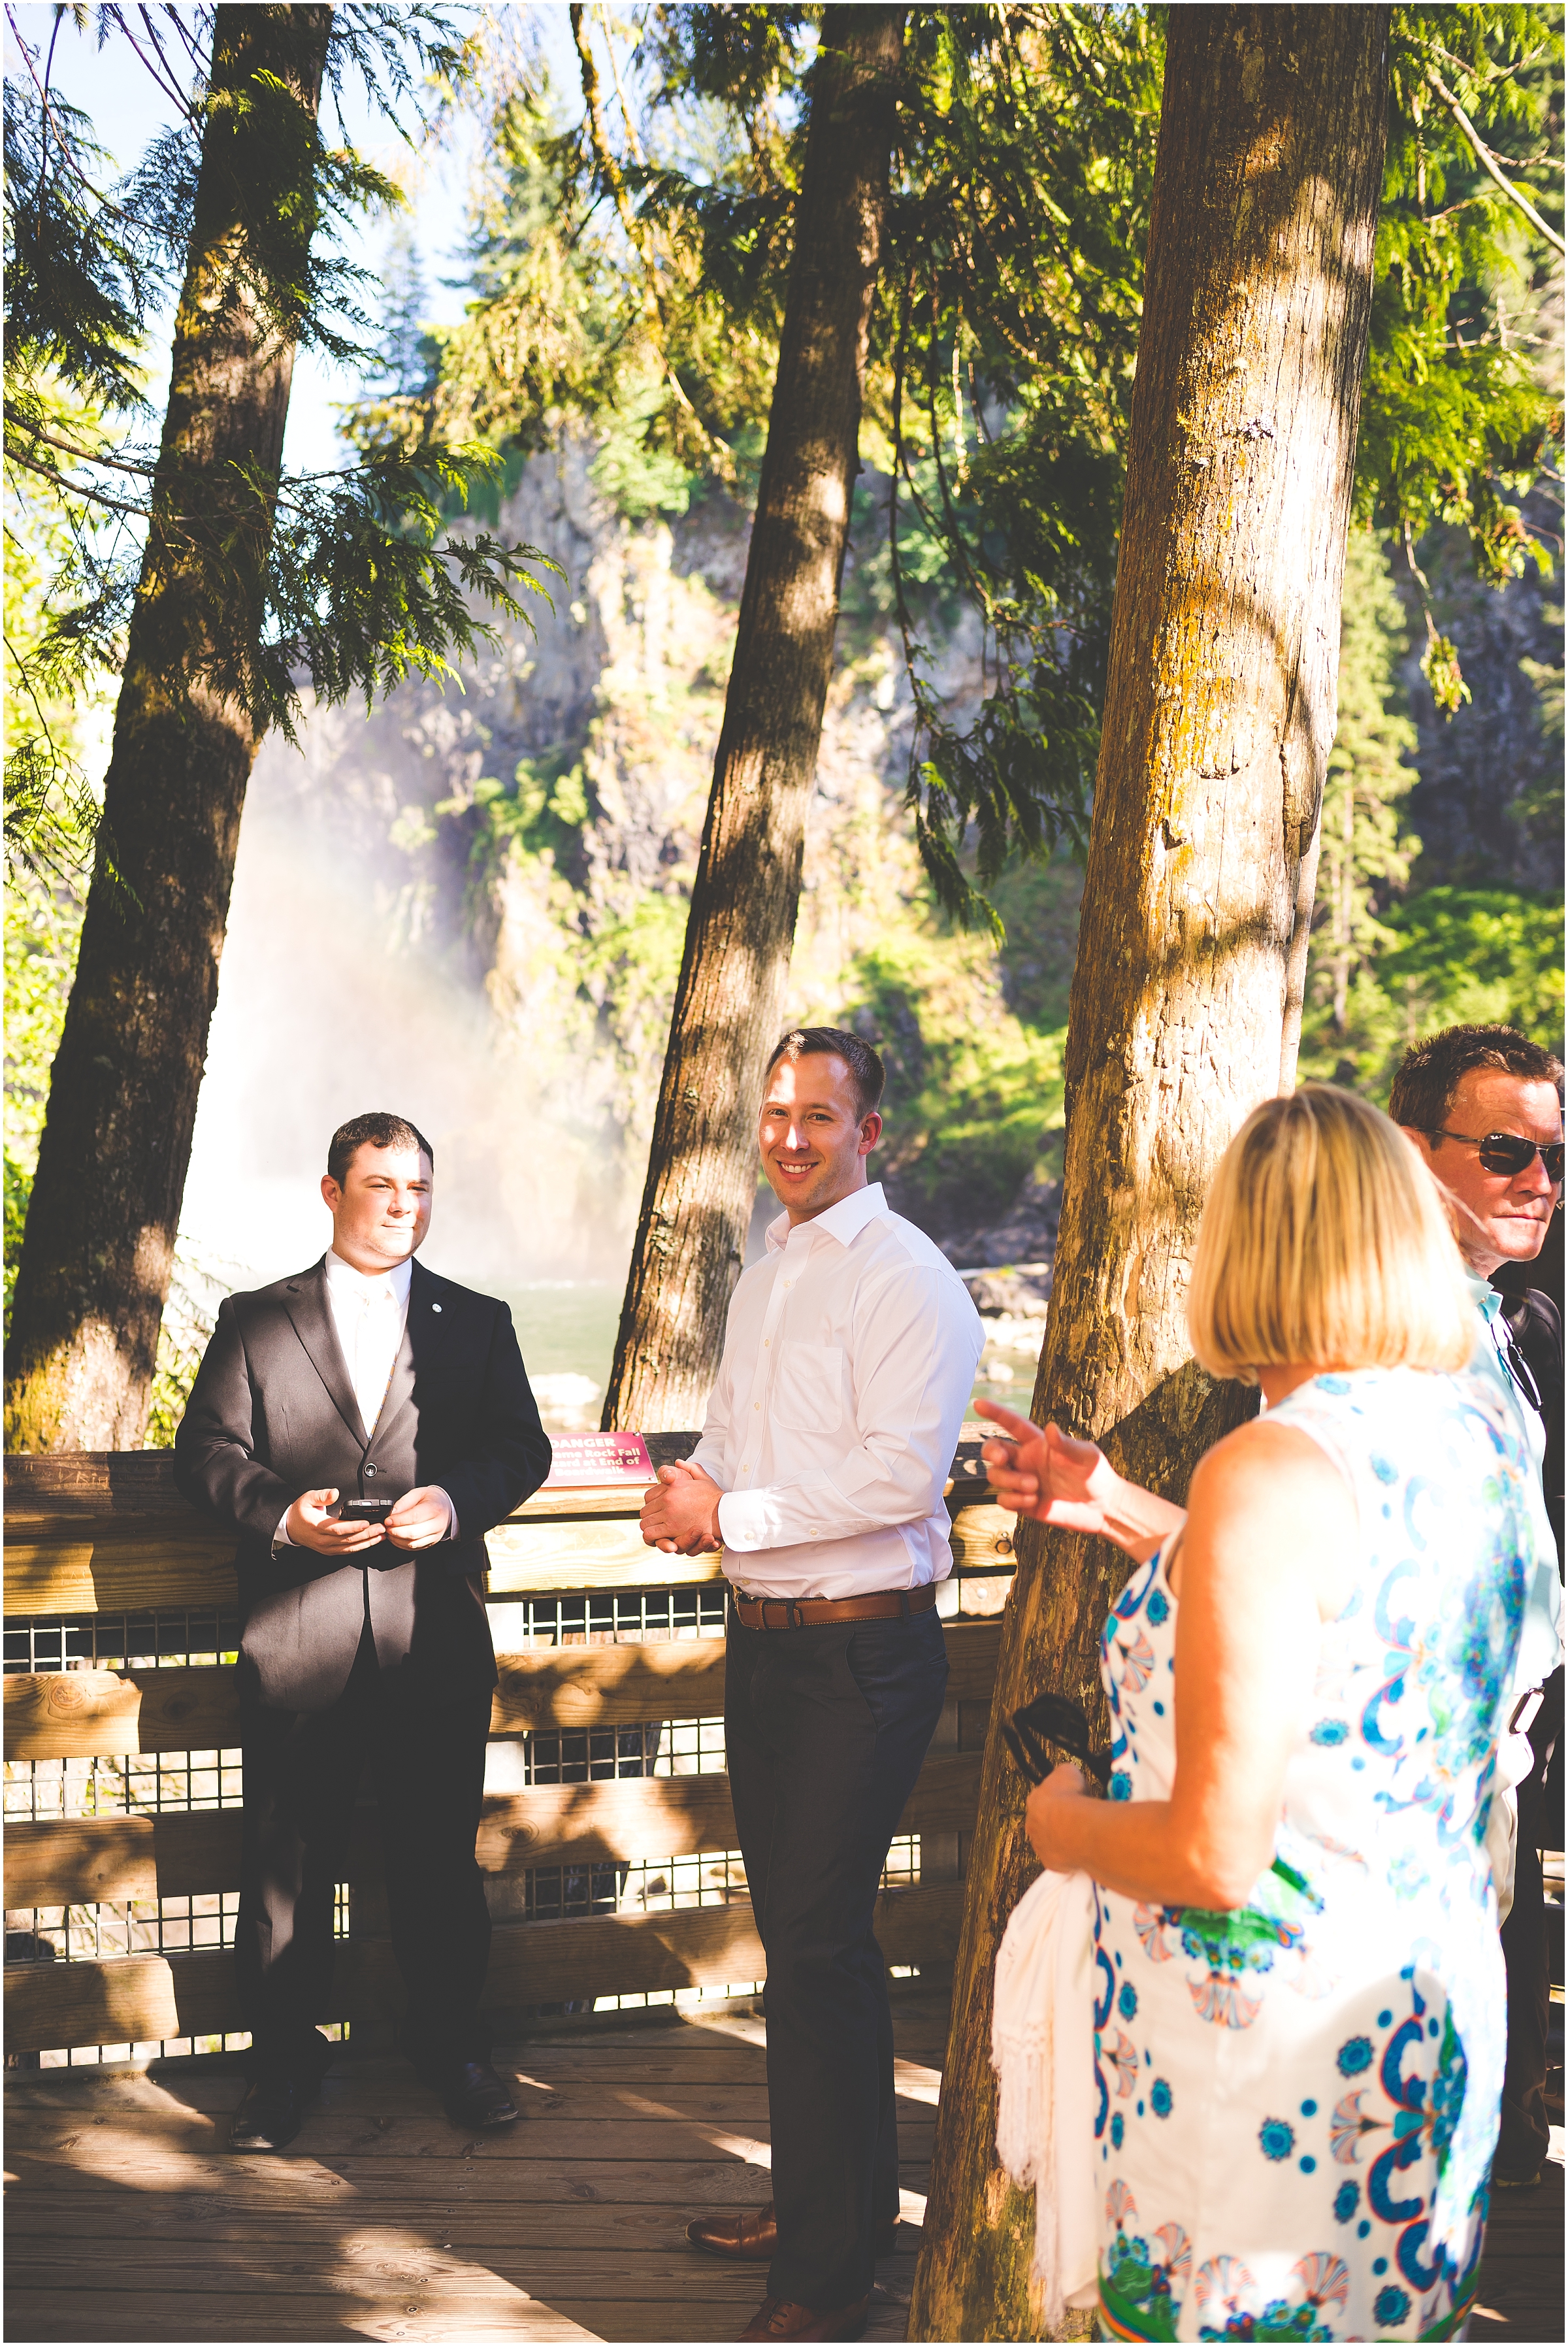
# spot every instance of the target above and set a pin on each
(1483, 1104)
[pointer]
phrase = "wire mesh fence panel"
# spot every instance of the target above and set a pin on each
(166, 1783)
(609, 1617)
(175, 1638)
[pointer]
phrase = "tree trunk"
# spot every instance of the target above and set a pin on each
(729, 1002)
(1219, 714)
(105, 1207)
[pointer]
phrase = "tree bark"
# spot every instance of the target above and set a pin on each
(105, 1206)
(1220, 715)
(729, 1002)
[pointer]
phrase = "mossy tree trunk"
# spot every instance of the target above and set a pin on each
(105, 1206)
(730, 1002)
(1185, 999)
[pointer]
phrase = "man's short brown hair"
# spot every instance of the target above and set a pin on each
(1432, 1071)
(376, 1130)
(867, 1074)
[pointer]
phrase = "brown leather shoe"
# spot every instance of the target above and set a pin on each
(776, 2317)
(753, 2239)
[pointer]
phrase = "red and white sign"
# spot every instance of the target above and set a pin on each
(590, 1461)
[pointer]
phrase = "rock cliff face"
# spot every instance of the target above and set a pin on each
(474, 899)
(471, 905)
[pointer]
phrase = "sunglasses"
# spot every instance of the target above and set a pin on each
(1510, 1152)
(1052, 1719)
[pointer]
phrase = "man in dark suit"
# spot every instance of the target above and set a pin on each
(1483, 1104)
(363, 1380)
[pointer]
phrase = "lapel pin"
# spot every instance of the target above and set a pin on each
(435, 1306)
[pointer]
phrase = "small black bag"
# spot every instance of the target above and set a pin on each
(1053, 1719)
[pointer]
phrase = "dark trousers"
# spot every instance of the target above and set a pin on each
(1527, 1950)
(825, 1730)
(303, 1770)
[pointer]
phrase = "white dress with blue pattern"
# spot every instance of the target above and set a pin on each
(1297, 2101)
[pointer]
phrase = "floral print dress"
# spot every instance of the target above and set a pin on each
(1297, 2101)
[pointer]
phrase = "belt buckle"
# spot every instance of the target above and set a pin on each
(797, 1615)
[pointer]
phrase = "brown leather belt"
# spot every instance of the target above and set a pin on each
(811, 1612)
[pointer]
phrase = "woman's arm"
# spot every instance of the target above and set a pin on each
(1045, 1474)
(1267, 1557)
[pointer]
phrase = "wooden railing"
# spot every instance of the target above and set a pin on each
(96, 1533)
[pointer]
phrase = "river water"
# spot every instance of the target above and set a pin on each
(567, 1332)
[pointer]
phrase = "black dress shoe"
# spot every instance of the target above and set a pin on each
(472, 2095)
(273, 2110)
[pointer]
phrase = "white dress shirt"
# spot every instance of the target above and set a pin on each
(370, 1313)
(848, 1360)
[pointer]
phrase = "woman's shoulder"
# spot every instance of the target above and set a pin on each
(1272, 1460)
(1399, 1422)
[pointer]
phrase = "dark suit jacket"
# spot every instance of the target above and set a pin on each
(1537, 1330)
(272, 1414)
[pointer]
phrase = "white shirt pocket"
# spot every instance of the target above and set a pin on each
(808, 1388)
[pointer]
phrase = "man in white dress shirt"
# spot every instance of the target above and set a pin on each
(369, 1381)
(848, 1363)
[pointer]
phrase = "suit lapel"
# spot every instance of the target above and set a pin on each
(305, 1300)
(428, 1340)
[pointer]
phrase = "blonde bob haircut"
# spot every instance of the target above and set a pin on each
(1324, 1242)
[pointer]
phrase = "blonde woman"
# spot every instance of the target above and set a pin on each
(1299, 2018)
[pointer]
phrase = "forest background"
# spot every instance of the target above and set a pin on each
(470, 904)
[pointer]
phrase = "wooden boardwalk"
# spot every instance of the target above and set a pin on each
(128, 2221)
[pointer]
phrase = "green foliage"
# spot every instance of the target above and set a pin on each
(638, 475)
(44, 895)
(345, 582)
(542, 813)
(1364, 855)
(1013, 284)
(1459, 416)
(1467, 955)
(1387, 967)
(641, 284)
(1455, 956)
(634, 963)
(974, 1097)
(51, 814)
(42, 926)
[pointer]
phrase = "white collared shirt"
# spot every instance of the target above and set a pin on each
(370, 1313)
(848, 1360)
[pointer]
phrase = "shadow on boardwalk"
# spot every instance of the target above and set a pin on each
(128, 2220)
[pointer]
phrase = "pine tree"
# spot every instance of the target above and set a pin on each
(244, 583)
(1220, 715)
(1366, 852)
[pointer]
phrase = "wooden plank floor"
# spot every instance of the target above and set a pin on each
(128, 2221)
